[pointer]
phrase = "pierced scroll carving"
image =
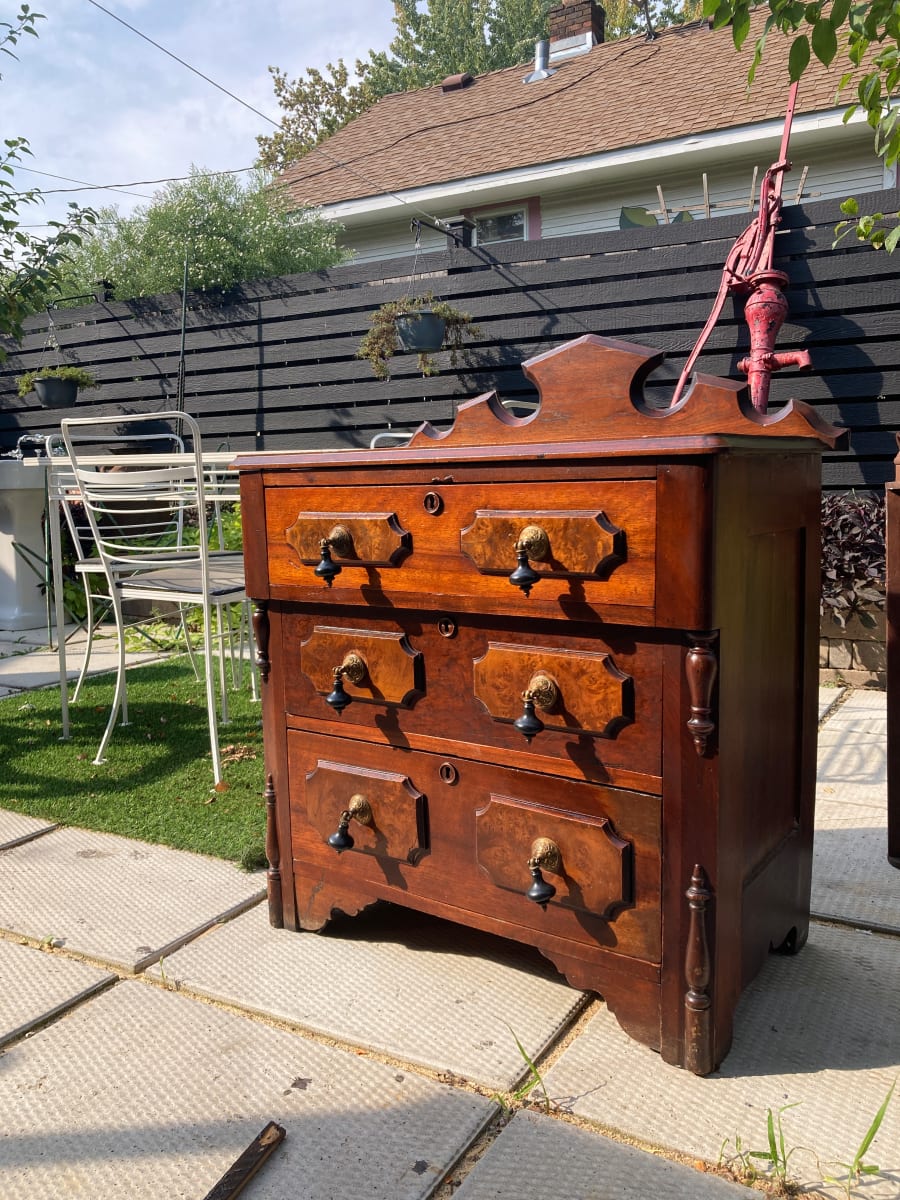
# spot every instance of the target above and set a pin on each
(261, 636)
(273, 854)
(698, 1047)
(701, 667)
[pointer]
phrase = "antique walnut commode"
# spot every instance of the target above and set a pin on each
(554, 678)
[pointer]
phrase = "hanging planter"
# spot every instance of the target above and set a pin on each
(420, 325)
(55, 387)
(421, 332)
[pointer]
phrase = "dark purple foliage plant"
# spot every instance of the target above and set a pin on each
(853, 557)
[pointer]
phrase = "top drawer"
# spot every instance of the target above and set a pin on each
(582, 546)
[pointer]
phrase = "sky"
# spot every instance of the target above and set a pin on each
(98, 103)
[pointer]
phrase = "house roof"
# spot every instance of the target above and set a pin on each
(621, 94)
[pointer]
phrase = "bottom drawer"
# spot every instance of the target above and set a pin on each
(476, 838)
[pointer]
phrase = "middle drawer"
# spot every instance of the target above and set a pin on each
(458, 683)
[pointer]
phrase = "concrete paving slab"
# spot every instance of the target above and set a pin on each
(404, 983)
(13, 641)
(537, 1156)
(16, 828)
(818, 1030)
(852, 878)
(143, 1093)
(863, 710)
(116, 900)
(852, 759)
(828, 696)
(38, 986)
(40, 668)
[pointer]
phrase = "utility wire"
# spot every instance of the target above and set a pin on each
(115, 17)
(378, 188)
(92, 186)
(99, 187)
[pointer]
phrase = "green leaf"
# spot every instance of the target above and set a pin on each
(892, 239)
(740, 27)
(722, 14)
(875, 1126)
(850, 206)
(635, 217)
(757, 59)
(798, 60)
(824, 42)
(839, 12)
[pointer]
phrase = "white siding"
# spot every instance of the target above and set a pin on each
(597, 209)
(370, 243)
(842, 166)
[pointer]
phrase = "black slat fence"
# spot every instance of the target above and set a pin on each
(272, 365)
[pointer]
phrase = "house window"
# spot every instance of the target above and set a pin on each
(509, 226)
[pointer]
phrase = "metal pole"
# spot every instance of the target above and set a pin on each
(179, 402)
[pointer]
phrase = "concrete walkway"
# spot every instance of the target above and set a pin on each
(152, 1023)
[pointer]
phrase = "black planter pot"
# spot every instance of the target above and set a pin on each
(56, 393)
(421, 332)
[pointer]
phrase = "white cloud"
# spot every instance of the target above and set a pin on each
(99, 103)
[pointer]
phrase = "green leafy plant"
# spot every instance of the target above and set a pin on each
(78, 375)
(771, 1163)
(523, 1091)
(230, 231)
(859, 1167)
(776, 1156)
(875, 228)
(853, 556)
(381, 343)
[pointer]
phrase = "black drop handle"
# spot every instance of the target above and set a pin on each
(546, 854)
(337, 697)
(532, 542)
(542, 692)
(523, 576)
(327, 569)
(353, 668)
(529, 724)
(358, 809)
(342, 839)
(540, 891)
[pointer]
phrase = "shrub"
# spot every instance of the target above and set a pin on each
(853, 556)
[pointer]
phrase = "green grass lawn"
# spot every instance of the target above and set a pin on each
(157, 782)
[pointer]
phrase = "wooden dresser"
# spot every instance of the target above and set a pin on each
(610, 756)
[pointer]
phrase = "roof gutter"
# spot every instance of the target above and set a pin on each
(525, 179)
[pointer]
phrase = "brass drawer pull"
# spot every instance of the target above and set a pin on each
(359, 810)
(542, 692)
(532, 542)
(355, 670)
(546, 854)
(340, 540)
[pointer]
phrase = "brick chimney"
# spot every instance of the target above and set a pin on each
(575, 26)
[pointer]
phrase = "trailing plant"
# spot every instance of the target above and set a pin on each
(77, 375)
(381, 343)
(853, 556)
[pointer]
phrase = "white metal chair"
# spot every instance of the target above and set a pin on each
(148, 516)
(88, 565)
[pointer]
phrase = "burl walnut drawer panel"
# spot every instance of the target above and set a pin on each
(466, 834)
(423, 546)
(458, 682)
